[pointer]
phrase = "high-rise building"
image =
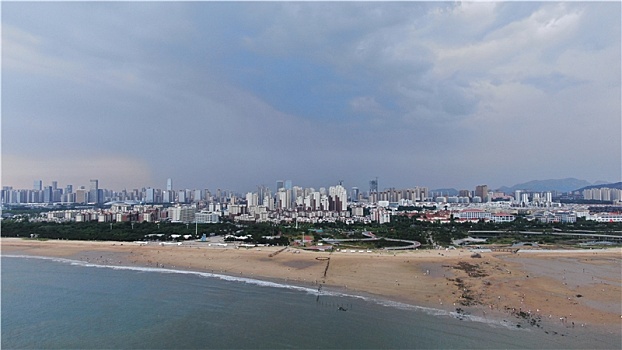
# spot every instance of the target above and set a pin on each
(35, 196)
(169, 184)
(168, 196)
(48, 194)
(338, 198)
(482, 192)
(94, 192)
(524, 198)
(464, 193)
(288, 184)
(252, 199)
(373, 186)
(280, 184)
(548, 197)
(56, 195)
(281, 199)
(354, 194)
(197, 195)
(38, 185)
(150, 195)
(181, 196)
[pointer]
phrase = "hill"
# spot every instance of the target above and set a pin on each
(560, 185)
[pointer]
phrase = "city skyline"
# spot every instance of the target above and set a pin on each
(236, 95)
(482, 191)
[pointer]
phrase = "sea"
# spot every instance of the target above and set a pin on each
(52, 303)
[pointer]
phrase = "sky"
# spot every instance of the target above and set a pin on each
(233, 95)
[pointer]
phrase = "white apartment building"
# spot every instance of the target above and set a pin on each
(180, 213)
(206, 217)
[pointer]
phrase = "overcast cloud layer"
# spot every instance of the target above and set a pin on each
(234, 95)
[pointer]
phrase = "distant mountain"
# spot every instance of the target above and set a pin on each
(559, 185)
(617, 185)
(445, 191)
(600, 182)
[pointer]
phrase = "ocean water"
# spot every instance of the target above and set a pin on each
(62, 304)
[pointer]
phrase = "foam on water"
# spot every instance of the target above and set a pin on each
(261, 283)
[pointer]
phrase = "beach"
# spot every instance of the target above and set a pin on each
(556, 290)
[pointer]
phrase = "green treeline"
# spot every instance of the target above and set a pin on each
(400, 227)
(121, 231)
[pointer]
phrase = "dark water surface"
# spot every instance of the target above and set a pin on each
(55, 303)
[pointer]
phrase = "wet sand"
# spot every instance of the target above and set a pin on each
(555, 291)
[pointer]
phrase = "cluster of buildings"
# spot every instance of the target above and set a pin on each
(40, 194)
(126, 212)
(286, 196)
(602, 194)
(94, 195)
(296, 204)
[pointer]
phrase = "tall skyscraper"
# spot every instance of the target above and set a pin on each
(373, 186)
(54, 185)
(354, 194)
(280, 184)
(373, 191)
(169, 184)
(94, 192)
(38, 185)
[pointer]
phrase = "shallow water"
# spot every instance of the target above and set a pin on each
(58, 303)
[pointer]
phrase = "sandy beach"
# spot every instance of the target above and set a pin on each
(563, 289)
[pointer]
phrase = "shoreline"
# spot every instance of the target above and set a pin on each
(570, 291)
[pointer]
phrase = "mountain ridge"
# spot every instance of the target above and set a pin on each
(569, 184)
(560, 185)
